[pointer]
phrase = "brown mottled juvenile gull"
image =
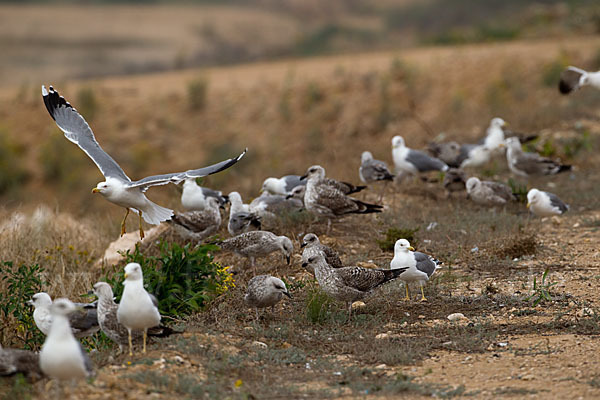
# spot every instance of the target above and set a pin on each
(137, 310)
(258, 244)
(118, 188)
(198, 225)
(312, 246)
(545, 204)
(15, 361)
(344, 187)
(488, 193)
(282, 186)
(417, 266)
(323, 199)
(62, 356)
(525, 164)
(265, 291)
(574, 78)
(194, 197)
(348, 284)
(83, 320)
(242, 222)
(411, 161)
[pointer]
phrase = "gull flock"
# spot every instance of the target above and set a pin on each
(130, 322)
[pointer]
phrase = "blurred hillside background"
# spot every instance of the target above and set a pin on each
(176, 85)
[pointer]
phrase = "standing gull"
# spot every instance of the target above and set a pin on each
(525, 164)
(411, 161)
(371, 171)
(83, 320)
(348, 284)
(282, 186)
(418, 266)
(312, 246)
(15, 361)
(258, 244)
(194, 197)
(265, 291)
(62, 356)
(344, 187)
(488, 193)
(545, 204)
(137, 309)
(574, 78)
(198, 225)
(118, 188)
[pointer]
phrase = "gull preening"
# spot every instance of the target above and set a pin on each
(525, 164)
(62, 356)
(265, 291)
(348, 284)
(312, 246)
(195, 197)
(137, 310)
(258, 244)
(118, 188)
(417, 266)
(545, 204)
(282, 186)
(574, 78)
(83, 320)
(488, 193)
(411, 161)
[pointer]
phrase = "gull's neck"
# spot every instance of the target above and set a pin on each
(60, 329)
(594, 79)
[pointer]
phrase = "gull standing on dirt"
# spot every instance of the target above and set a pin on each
(282, 186)
(83, 320)
(409, 161)
(138, 310)
(488, 193)
(265, 291)
(545, 204)
(62, 356)
(312, 246)
(417, 266)
(194, 197)
(118, 188)
(574, 78)
(198, 225)
(15, 361)
(526, 164)
(348, 284)
(258, 244)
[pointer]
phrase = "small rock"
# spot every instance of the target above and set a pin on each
(382, 336)
(528, 377)
(285, 345)
(381, 366)
(178, 359)
(456, 316)
(262, 345)
(358, 305)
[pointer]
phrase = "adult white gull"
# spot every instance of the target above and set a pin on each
(118, 188)
(413, 161)
(418, 266)
(545, 204)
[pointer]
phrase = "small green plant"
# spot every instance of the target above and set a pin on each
(20, 389)
(317, 305)
(393, 234)
(197, 93)
(573, 146)
(21, 283)
(518, 190)
(541, 289)
(182, 279)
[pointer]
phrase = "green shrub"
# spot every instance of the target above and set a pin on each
(317, 305)
(393, 234)
(197, 93)
(19, 284)
(182, 279)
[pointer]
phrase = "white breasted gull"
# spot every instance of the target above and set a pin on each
(545, 204)
(418, 266)
(526, 164)
(118, 188)
(574, 78)
(200, 224)
(258, 244)
(137, 310)
(265, 291)
(282, 186)
(62, 356)
(237, 204)
(488, 193)
(194, 197)
(348, 284)
(312, 246)
(83, 320)
(407, 160)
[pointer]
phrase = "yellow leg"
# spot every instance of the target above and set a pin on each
(406, 287)
(144, 348)
(130, 345)
(123, 223)
(423, 295)
(141, 229)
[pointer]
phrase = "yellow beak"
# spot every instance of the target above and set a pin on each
(411, 248)
(528, 204)
(126, 275)
(95, 190)
(501, 145)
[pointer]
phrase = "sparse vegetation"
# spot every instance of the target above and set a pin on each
(393, 234)
(541, 289)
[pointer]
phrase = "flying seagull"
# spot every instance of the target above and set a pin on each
(118, 188)
(573, 78)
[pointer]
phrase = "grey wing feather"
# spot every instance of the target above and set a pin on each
(83, 321)
(86, 361)
(500, 190)
(332, 257)
(569, 80)
(425, 263)
(557, 202)
(423, 162)
(178, 177)
(154, 299)
(291, 181)
(77, 130)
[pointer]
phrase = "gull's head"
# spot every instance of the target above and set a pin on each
(313, 260)
(297, 192)
(213, 202)
(513, 143)
(366, 156)
(497, 123)
(62, 307)
(533, 197)
(403, 245)
(278, 285)
(41, 300)
(310, 239)
(287, 247)
(105, 188)
(397, 142)
(235, 198)
(316, 171)
(102, 290)
(133, 272)
(270, 185)
(472, 183)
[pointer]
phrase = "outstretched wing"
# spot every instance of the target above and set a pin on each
(178, 177)
(78, 131)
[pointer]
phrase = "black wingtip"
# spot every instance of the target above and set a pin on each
(53, 100)
(564, 87)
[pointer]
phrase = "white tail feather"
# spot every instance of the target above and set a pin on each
(155, 214)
